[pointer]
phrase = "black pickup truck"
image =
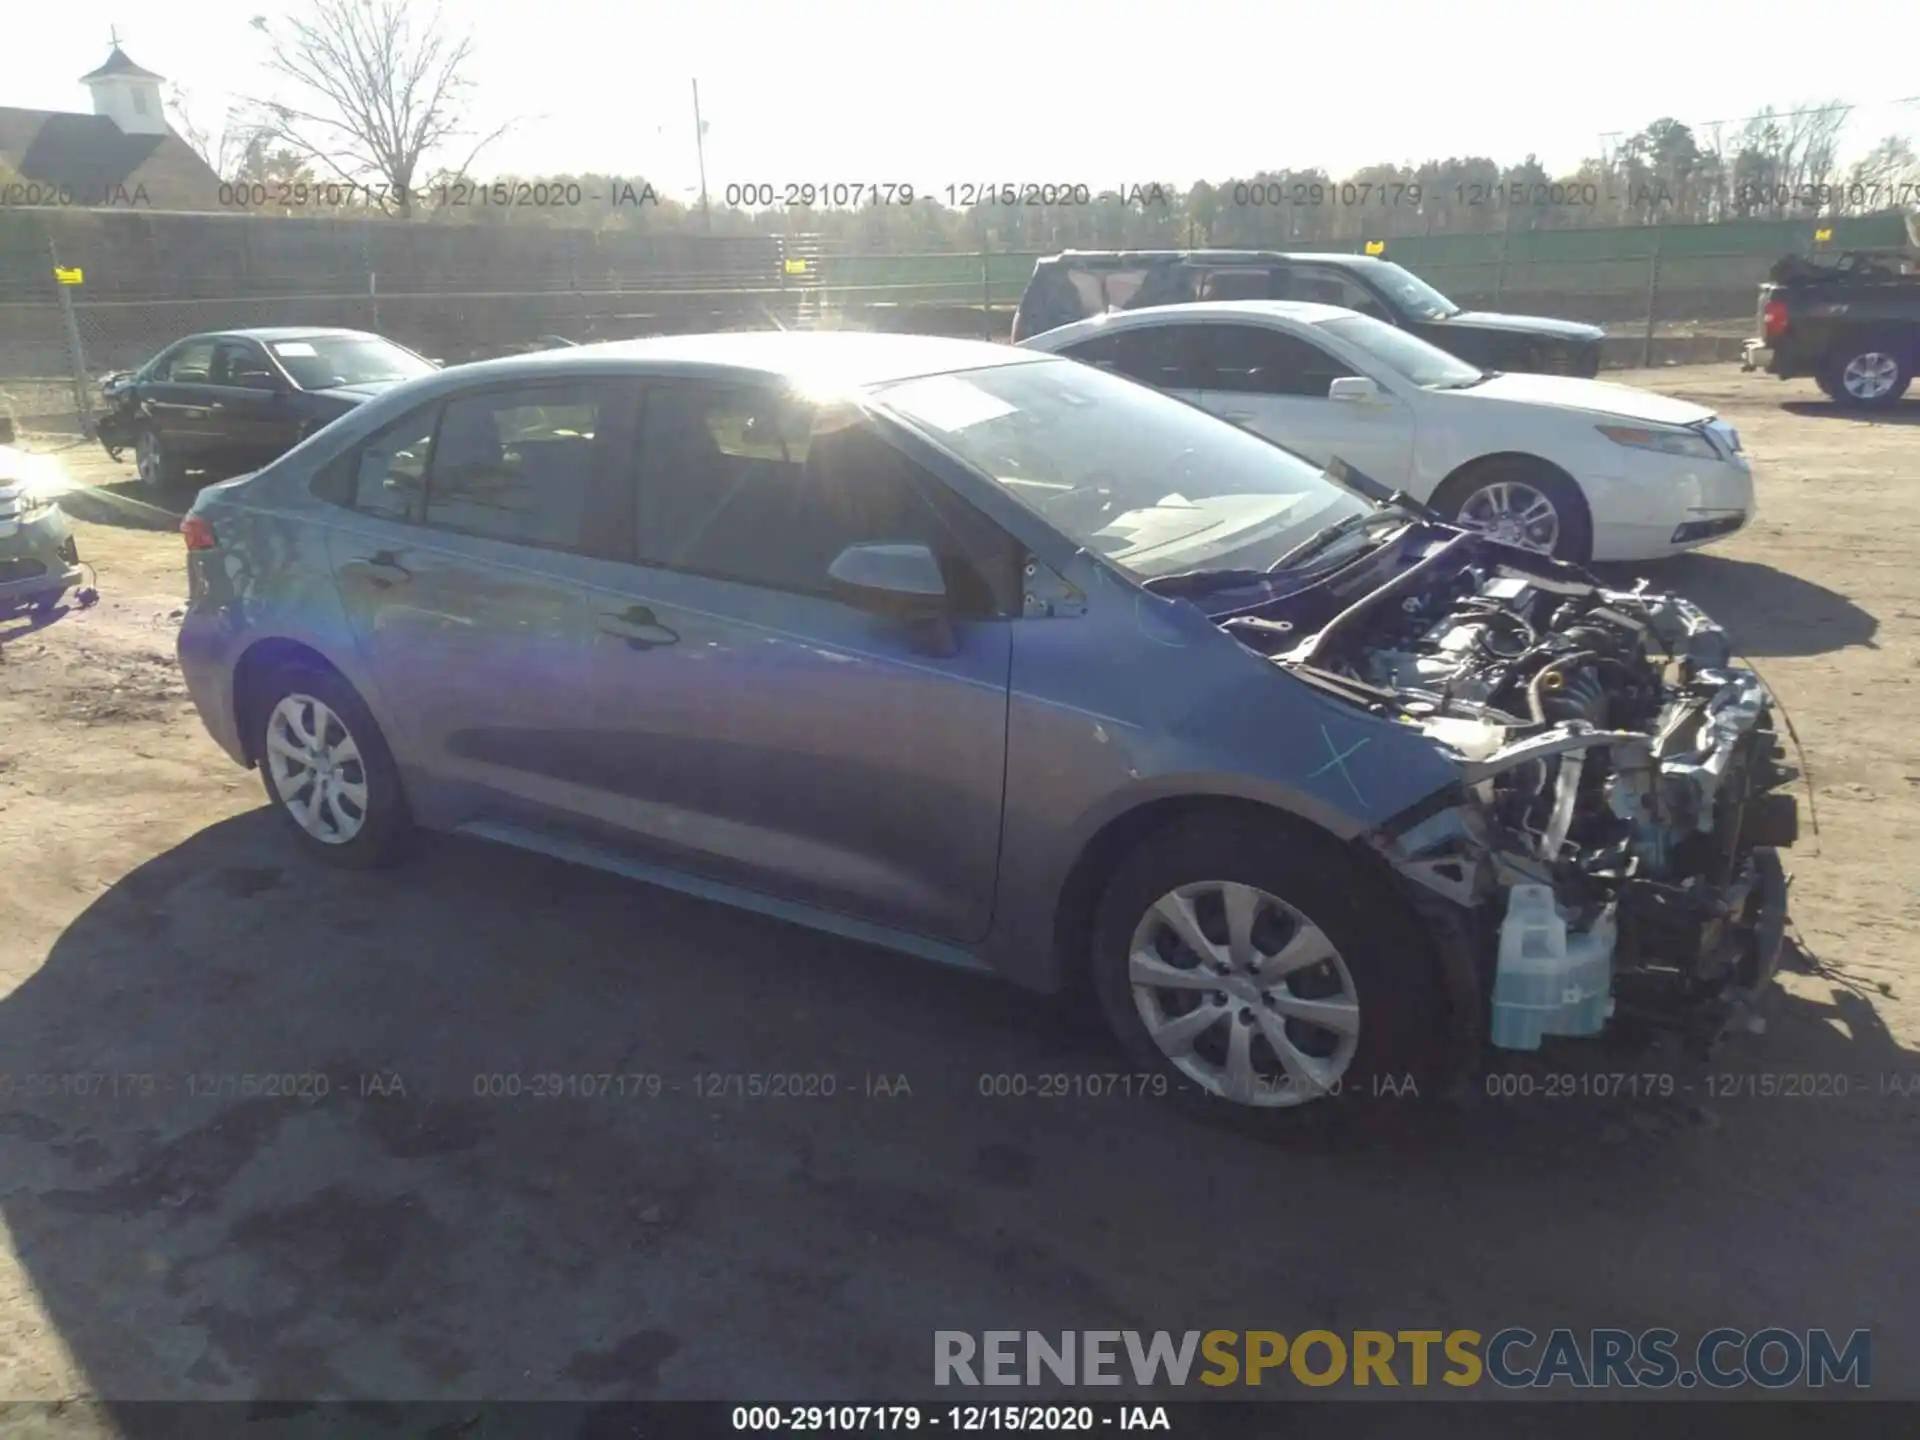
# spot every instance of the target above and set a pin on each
(1083, 283)
(1851, 320)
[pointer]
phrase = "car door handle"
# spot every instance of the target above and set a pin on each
(382, 570)
(639, 627)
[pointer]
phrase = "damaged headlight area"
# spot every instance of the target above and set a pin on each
(1614, 833)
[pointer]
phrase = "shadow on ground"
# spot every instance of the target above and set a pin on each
(126, 503)
(19, 623)
(445, 1133)
(1767, 611)
(1907, 412)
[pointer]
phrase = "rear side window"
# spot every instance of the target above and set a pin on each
(1159, 355)
(389, 472)
(516, 465)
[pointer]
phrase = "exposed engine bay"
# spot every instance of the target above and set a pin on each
(1619, 803)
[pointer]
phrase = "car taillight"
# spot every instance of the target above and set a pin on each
(197, 532)
(1773, 318)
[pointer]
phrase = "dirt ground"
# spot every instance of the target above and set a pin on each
(398, 1232)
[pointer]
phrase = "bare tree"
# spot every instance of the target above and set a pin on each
(225, 150)
(1885, 176)
(375, 95)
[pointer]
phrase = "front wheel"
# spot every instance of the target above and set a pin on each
(1520, 502)
(1264, 972)
(328, 772)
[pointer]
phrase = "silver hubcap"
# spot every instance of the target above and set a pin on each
(1869, 376)
(316, 769)
(1244, 994)
(1513, 513)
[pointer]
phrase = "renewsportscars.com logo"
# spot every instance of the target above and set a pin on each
(1514, 1358)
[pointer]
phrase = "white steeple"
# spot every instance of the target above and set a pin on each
(127, 95)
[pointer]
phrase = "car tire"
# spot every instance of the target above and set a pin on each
(1872, 373)
(345, 807)
(1510, 485)
(1302, 895)
(161, 472)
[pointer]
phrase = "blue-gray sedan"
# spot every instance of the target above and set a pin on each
(999, 659)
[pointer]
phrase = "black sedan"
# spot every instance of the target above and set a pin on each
(233, 401)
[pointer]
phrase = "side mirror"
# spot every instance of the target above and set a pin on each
(902, 581)
(1355, 390)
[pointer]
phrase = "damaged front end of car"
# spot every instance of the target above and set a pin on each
(1612, 843)
(115, 427)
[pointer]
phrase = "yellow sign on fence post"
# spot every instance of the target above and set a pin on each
(68, 275)
(1823, 235)
(1376, 247)
(796, 267)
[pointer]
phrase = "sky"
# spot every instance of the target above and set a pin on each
(1104, 93)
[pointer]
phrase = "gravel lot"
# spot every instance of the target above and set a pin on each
(402, 1236)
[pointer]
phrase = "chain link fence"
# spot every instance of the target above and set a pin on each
(58, 340)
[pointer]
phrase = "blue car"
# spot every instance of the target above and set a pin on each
(998, 659)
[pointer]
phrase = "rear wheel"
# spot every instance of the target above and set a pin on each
(160, 470)
(1262, 973)
(1521, 502)
(1870, 374)
(327, 769)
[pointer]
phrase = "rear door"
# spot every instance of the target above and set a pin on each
(1275, 382)
(177, 399)
(751, 728)
(463, 569)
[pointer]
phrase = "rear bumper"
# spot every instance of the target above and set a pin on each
(1754, 355)
(206, 651)
(37, 559)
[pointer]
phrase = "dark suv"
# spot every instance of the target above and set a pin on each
(1082, 283)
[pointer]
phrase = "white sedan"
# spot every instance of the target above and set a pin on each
(1582, 469)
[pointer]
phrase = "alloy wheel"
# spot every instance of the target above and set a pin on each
(1870, 376)
(1244, 994)
(1514, 513)
(316, 769)
(146, 456)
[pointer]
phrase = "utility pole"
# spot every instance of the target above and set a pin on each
(700, 150)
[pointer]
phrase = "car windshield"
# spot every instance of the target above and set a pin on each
(1411, 293)
(322, 362)
(1427, 366)
(1152, 483)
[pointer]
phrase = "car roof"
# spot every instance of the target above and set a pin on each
(1120, 258)
(1303, 312)
(287, 332)
(853, 358)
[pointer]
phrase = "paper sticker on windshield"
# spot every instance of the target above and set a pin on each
(952, 405)
(296, 349)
